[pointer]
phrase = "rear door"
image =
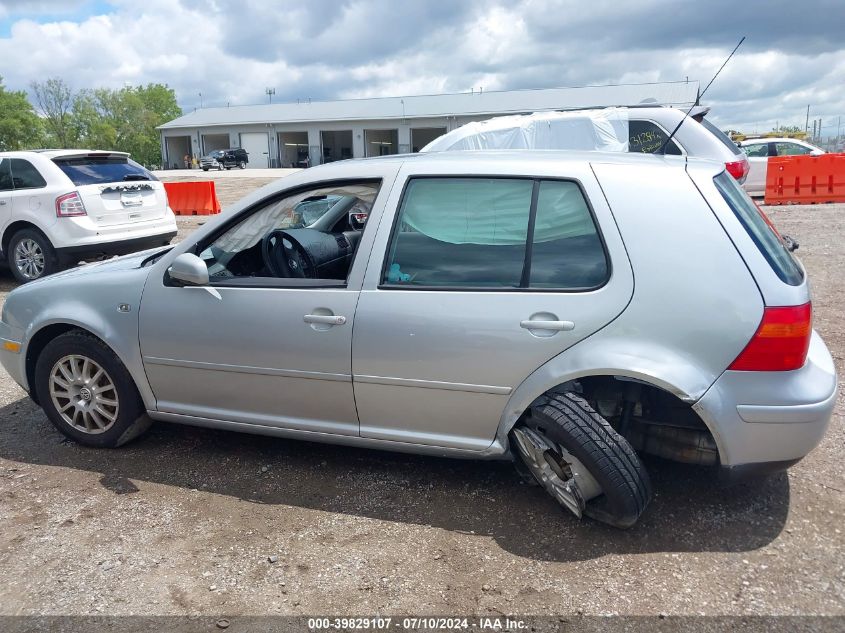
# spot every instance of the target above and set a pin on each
(758, 161)
(115, 189)
(6, 188)
(478, 282)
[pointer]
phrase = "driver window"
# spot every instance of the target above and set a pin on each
(312, 234)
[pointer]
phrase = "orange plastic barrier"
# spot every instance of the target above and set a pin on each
(192, 198)
(805, 179)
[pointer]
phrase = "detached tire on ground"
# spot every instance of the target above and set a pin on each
(87, 393)
(565, 427)
(30, 256)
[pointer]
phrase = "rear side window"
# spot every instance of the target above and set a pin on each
(25, 175)
(792, 149)
(495, 233)
(645, 137)
(96, 170)
(723, 138)
(760, 230)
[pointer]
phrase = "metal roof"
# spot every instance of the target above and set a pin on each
(676, 93)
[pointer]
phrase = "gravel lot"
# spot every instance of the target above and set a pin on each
(184, 520)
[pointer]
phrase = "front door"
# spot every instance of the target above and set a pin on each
(266, 343)
(485, 278)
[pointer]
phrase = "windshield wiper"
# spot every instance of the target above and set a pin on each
(129, 177)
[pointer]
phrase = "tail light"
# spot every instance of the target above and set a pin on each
(738, 169)
(70, 205)
(780, 342)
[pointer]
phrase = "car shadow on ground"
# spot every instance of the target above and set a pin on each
(690, 511)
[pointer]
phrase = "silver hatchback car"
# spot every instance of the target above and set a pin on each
(569, 311)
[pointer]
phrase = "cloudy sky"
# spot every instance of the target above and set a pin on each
(231, 50)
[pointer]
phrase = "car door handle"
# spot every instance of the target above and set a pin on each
(557, 326)
(2, 203)
(325, 319)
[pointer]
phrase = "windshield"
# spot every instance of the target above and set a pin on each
(309, 211)
(95, 170)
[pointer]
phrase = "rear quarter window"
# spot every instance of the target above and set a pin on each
(93, 170)
(646, 137)
(757, 226)
(25, 175)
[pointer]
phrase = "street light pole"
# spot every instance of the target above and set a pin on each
(270, 92)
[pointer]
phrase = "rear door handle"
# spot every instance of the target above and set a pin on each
(325, 319)
(557, 326)
(2, 203)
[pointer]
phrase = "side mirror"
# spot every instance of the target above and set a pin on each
(189, 270)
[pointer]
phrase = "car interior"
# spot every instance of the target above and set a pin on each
(313, 235)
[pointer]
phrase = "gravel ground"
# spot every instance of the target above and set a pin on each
(191, 521)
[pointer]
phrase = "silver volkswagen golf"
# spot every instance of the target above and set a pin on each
(569, 311)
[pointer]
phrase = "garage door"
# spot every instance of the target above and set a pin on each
(211, 142)
(257, 145)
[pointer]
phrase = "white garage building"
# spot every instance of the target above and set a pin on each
(313, 132)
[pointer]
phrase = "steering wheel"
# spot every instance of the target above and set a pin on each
(284, 256)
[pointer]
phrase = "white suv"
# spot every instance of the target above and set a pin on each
(58, 207)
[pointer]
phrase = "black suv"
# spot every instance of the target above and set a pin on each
(228, 158)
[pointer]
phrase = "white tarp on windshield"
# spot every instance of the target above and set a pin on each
(604, 129)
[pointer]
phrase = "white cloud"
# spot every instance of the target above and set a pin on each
(231, 51)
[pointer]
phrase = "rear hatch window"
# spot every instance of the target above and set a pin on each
(760, 229)
(115, 190)
(97, 170)
(723, 138)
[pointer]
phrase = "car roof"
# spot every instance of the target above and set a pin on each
(774, 139)
(510, 155)
(58, 153)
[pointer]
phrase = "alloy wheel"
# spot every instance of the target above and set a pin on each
(29, 258)
(84, 394)
(560, 473)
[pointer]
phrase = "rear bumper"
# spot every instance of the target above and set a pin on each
(121, 247)
(767, 421)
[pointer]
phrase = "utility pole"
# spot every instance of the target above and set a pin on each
(807, 122)
(270, 92)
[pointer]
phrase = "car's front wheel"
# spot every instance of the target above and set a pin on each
(581, 461)
(242, 165)
(87, 393)
(31, 255)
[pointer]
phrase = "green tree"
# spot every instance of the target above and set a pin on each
(125, 119)
(789, 129)
(55, 100)
(20, 127)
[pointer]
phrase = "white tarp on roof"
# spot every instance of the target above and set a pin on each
(604, 129)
